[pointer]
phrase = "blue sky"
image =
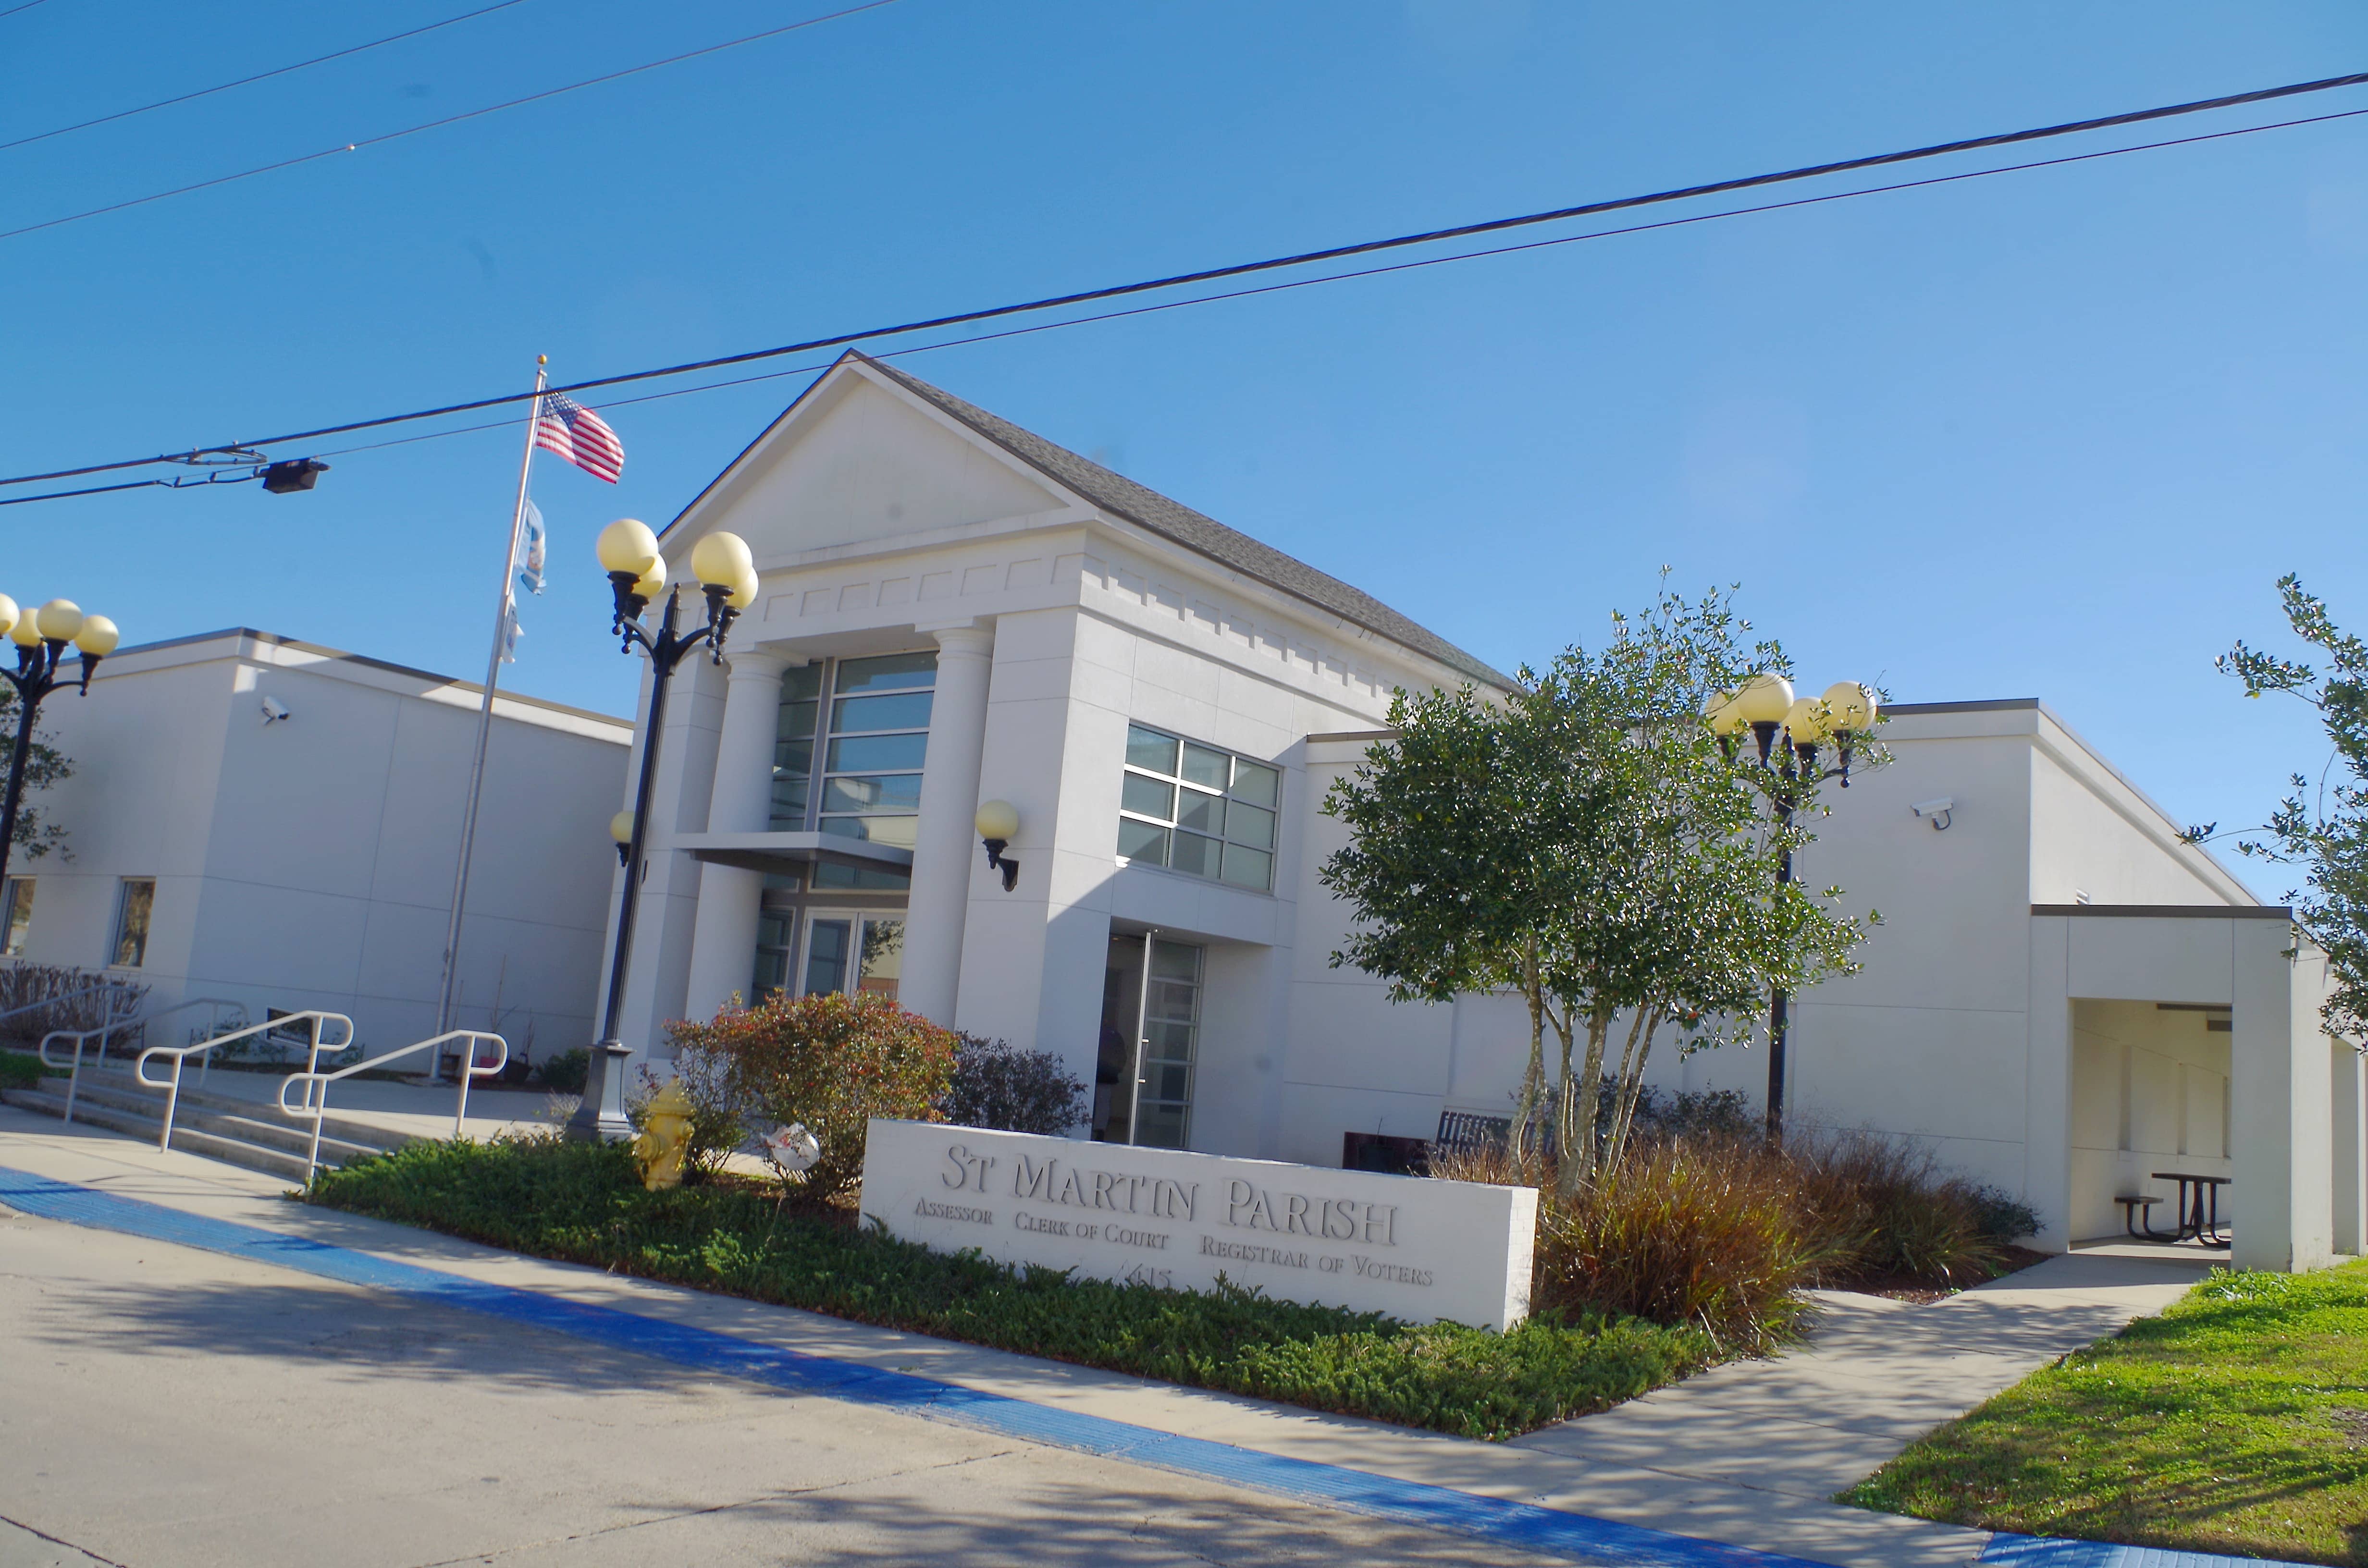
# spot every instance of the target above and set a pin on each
(2049, 434)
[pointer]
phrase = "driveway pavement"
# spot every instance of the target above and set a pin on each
(184, 1403)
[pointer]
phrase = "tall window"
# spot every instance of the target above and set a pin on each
(871, 718)
(878, 734)
(793, 743)
(1196, 809)
(132, 906)
(16, 915)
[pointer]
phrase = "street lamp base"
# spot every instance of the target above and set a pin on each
(600, 1117)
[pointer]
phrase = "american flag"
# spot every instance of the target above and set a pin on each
(580, 436)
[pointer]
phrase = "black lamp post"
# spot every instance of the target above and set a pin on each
(1766, 706)
(41, 636)
(628, 551)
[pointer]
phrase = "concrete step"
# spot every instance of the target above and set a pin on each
(124, 1092)
(188, 1140)
(277, 1148)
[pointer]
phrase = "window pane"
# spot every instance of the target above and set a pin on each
(878, 754)
(1203, 765)
(826, 955)
(1249, 868)
(1247, 825)
(863, 879)
(898, 792)
(800, 684)
(1149, 748)
(883, 957)
(1167, 1040)
(892, 672)
(1148, 797)
(1255, 782)
(1176, 960)
(1168, 1081)
(1141, 841)
(772, 974)
(1202, 813)
(1194, 854)
(796, 720)
(131, 925)
(1162, 1127)
(898, 832)
(21, 914)
(900, 711)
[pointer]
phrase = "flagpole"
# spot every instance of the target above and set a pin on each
(502, 612)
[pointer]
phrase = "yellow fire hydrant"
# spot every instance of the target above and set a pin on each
(664, 1139)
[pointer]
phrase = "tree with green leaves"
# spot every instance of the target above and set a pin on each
(38, 831)
(2322, 829)
(1588, 844)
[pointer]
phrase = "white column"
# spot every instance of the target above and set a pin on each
(2280, 1077)
(2346, 1150)
(724, 940)
(945, 842)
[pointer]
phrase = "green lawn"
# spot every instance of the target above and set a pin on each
(2237, 1422)
(582, 1203)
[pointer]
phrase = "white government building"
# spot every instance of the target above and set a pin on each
(276, 823)
(2062, 999)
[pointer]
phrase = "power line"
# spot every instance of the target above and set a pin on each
(28, 5)
(434, 124)
(250, 81)
(1341, 252)
(1381, 271)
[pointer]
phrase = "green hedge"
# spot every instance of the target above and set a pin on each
(19, 1070)
(581, 1203)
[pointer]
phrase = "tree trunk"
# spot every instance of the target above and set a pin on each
(1641, 1030)
(1582, 1090)
(1525, 1108)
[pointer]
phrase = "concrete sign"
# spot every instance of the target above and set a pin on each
(1418, 1249)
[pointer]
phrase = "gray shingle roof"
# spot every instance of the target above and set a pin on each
(1203, 535)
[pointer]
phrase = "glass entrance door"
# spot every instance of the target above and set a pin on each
(854, 952)
(1151, 1023)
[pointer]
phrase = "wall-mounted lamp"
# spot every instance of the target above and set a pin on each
(620, 828)
(1935, 812)
(999, 824)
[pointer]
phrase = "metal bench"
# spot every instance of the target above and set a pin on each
(2135, 1218)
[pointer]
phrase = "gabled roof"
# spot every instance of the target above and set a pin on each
(1203, 536)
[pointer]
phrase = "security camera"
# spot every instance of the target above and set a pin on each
(1935, 812)
(274, 709)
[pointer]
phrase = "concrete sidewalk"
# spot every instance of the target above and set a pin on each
(1745, 1454)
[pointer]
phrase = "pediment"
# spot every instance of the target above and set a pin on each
(858, 462)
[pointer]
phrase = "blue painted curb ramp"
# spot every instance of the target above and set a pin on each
(1518, 1525)
(2046, 1552)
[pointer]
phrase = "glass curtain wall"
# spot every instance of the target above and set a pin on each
(849, 747)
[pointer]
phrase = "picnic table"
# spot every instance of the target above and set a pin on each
(2199, 1209)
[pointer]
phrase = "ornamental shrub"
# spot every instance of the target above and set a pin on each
(832, 1062)
(997, 1085)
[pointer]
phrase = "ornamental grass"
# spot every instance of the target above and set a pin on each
(1717, 1230)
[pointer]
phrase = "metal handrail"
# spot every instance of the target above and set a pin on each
(82, 1036)
(181, 1053)
(316, 1083)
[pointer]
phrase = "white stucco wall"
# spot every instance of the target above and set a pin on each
(308, 863)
